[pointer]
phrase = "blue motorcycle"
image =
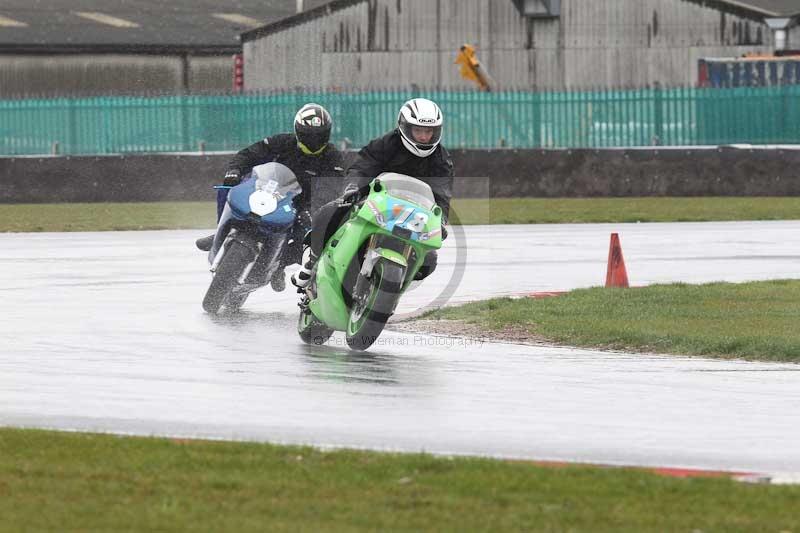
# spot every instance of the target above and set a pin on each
(251, 235)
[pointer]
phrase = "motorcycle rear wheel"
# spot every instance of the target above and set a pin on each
(311, 330)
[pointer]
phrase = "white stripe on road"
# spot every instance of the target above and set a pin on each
(6, 22)
(102, 18)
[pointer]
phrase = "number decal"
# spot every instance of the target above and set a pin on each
(403, 217)
(418, 222)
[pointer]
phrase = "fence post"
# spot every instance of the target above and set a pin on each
(536, 102)
(658, 103)
(184, 112)
(784, 106)
(72, 127)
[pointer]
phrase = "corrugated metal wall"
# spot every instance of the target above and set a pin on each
(210, 74)
(395, 43)
(58, 75)
(794, 38)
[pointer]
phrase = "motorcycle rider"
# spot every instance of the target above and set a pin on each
(412, 148)
(308, 154)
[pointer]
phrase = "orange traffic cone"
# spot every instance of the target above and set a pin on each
(616, 275)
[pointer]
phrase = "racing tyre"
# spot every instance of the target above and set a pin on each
(233, 263)
(311, 330)
(374, 301)
(236, 302)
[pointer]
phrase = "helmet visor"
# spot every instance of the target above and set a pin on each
(423, 136)
(313, 138)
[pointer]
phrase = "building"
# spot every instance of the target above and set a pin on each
(525, 44)
(77, 47)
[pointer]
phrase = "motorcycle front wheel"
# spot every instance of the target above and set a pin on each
(233, 263)
(374, 301)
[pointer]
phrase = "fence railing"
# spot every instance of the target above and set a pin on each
(579, 119)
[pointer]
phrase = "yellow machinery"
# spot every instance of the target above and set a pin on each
(471, 68)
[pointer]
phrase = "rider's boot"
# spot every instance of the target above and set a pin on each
(205, 243)
(303, 276)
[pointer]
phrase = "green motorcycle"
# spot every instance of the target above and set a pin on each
(369, 262)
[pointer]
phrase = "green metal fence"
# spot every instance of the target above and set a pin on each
(592, 119)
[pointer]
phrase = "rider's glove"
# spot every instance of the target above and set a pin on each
(444, 227)
(304, 220)
(351, 194)
(232, 178)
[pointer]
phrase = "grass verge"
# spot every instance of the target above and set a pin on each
(755, 320)
(107, 216)
(201, 215)
(651, 209)
(55, 481)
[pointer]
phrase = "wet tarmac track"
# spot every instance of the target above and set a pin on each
(104, 331)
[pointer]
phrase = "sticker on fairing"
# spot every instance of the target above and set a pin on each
(417, 222)
(430, 234)
(379, 218)
(405, 214)
(262, 203)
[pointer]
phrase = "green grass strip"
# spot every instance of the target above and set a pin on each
(107, 216)
(201, 215)
(51, 481)
(757, 321)
(651, 209)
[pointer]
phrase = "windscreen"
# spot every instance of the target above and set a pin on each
(274, 177)
(408, 188)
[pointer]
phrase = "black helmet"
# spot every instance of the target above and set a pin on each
(312, 127)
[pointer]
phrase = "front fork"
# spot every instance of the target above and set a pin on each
(373, 252)
(232, 236)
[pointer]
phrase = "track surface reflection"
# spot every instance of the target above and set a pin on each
(104, 331)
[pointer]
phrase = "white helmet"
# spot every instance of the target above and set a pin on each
(420, 125)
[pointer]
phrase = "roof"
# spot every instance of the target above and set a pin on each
(754, 9)
(770, 8)
(326, 8)
(157, 26)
